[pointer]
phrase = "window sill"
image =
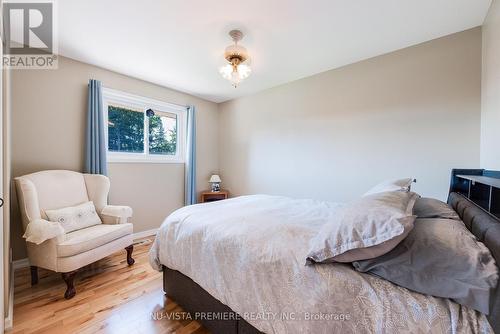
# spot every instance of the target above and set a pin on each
(112, 159)
(132, 161)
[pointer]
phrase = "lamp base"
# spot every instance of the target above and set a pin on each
(215, 187)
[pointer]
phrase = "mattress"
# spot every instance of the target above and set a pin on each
(249, 253)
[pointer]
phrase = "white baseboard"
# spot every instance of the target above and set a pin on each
(23, 263)
(143, 234)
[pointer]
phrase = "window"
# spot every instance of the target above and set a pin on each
(125, 129)
(143, 130)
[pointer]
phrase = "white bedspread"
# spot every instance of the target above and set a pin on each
(249, 253)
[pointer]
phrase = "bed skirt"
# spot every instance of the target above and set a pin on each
(202, 307)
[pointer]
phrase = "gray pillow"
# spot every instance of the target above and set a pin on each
(440, 257)
(433, 208)
(365, 228)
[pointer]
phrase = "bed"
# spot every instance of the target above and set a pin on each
(239, 273)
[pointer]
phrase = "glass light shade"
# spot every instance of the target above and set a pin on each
(235, 78)
(244, 70)
(215, 179)
(236, 50)
(226, 71)
(241, 72)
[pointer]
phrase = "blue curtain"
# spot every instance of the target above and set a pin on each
(95, 150)
(191, 157)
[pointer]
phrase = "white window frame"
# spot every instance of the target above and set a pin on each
(111, 96)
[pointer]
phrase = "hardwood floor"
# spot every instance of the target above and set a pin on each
(111, 298)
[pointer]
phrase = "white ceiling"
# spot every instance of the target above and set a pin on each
(179, 43)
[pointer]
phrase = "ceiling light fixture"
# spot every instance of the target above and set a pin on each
(237, 65)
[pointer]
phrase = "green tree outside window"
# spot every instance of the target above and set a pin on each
(126, 132)
(161, 140)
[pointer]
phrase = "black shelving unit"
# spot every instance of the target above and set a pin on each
(480, 186)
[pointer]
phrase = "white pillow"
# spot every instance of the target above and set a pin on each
(391, 185)
(365, 229)
(75, 217)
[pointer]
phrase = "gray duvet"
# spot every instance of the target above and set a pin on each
(249, 253)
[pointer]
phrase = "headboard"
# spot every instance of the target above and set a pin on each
(487, 229)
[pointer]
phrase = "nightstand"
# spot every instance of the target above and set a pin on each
(209, 196)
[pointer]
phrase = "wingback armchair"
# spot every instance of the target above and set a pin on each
(67, 252)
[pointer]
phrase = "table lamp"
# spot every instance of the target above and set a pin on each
(215, 182)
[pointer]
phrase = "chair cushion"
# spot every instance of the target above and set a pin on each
(91, 237)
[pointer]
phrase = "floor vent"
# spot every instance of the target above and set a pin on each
(142, 242)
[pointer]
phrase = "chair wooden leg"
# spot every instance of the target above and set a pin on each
(34, 275)
(129, 250)
(69, 278)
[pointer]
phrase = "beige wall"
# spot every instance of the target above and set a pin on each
(331, 136)
(414, 112)
(490, 122)
(48, 124)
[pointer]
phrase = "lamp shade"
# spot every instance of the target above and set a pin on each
(215, 179)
